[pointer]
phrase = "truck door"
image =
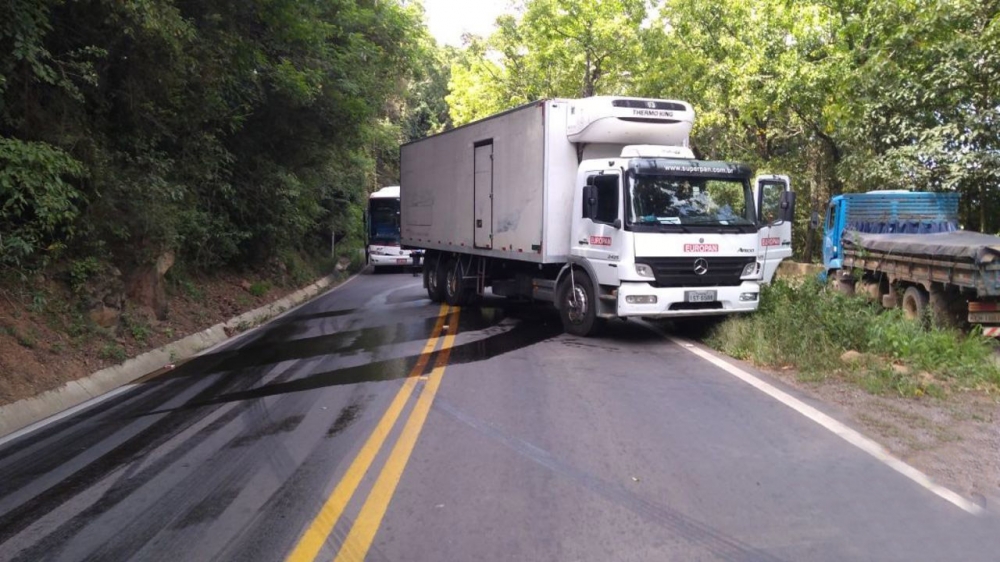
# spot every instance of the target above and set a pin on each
(483, 194)
(831, 238)
(774, 239)
(600, 236)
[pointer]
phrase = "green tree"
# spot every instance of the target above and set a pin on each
(554, 48)
(223, 130)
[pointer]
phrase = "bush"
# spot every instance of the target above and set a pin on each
(260, 288)
(37, 204)
(808, 327)
(112, 352)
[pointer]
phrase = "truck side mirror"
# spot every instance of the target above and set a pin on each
(590, 202)
(788, 206)
(814, 221)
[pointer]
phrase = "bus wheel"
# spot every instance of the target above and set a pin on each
(434, 279)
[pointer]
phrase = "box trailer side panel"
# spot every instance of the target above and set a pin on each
(560, 173)
(478, 189)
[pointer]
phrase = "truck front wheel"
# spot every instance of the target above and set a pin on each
(578, 306)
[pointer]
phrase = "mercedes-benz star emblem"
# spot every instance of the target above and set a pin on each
(700, 266)
(651, 104)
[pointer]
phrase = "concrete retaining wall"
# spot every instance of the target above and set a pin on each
(795, 271)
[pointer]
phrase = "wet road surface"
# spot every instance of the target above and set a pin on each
(373, 424)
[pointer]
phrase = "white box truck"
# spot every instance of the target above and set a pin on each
(597, 205)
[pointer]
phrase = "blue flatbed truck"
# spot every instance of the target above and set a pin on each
(906, 249)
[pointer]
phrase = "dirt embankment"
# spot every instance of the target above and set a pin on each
(51, 333)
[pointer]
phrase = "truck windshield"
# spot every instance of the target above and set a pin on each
(658, 199)
(383, 221)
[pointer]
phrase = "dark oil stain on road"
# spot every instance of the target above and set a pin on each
(297, 318)
(208, 509)
(281, 426)
(278, 348)
(132, 449)
(531, 328)
(236, 384)
(346, 418)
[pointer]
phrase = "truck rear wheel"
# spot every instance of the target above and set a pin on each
(578, 306)
(456, 289)
(914, 302)
(433, 279)
(948, 308)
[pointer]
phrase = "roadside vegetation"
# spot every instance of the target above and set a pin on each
(165, 165)
(823, 333)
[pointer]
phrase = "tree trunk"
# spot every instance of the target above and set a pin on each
(982, 207)
(146, 288)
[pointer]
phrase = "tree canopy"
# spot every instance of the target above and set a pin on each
(842, 95)
(231, 130)
(225, 130)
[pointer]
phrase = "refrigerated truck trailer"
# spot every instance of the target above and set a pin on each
(597, 205)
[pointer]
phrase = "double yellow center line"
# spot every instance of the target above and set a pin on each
(362, 533)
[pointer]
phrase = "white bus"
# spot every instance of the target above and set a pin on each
(382, 247)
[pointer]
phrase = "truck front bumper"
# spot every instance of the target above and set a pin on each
(634, 299)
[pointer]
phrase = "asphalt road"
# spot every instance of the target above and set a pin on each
(338, 432)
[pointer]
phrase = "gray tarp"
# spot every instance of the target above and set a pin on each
(959, 245)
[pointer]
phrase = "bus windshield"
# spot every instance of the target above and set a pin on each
(383, 221)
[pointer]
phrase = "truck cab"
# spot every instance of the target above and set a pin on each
(662, 233)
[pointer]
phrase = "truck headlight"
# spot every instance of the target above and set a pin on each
(749, 269)
(748, 297)
(643, 270)
(640, 299)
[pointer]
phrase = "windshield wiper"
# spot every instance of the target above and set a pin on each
(673, 227)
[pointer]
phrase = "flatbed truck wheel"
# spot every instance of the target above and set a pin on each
(914, 302)
(578, 306)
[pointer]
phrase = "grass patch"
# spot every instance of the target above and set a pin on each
(260, 288)
(26, 340)
(808, 327)
(112, 352)
(179, 282)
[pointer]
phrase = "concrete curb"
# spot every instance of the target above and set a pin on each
(21, 414)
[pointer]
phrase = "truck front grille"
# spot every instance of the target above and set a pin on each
(680, 272)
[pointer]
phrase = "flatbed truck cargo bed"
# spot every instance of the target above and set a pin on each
(905, 249)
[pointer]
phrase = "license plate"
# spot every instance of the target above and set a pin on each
(402, 260)
(984, 317)
(700, 296)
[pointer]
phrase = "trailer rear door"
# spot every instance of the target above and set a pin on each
(483, 196)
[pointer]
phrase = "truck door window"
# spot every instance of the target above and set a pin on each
(831, 216)
(608, 195)
(770, 201)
